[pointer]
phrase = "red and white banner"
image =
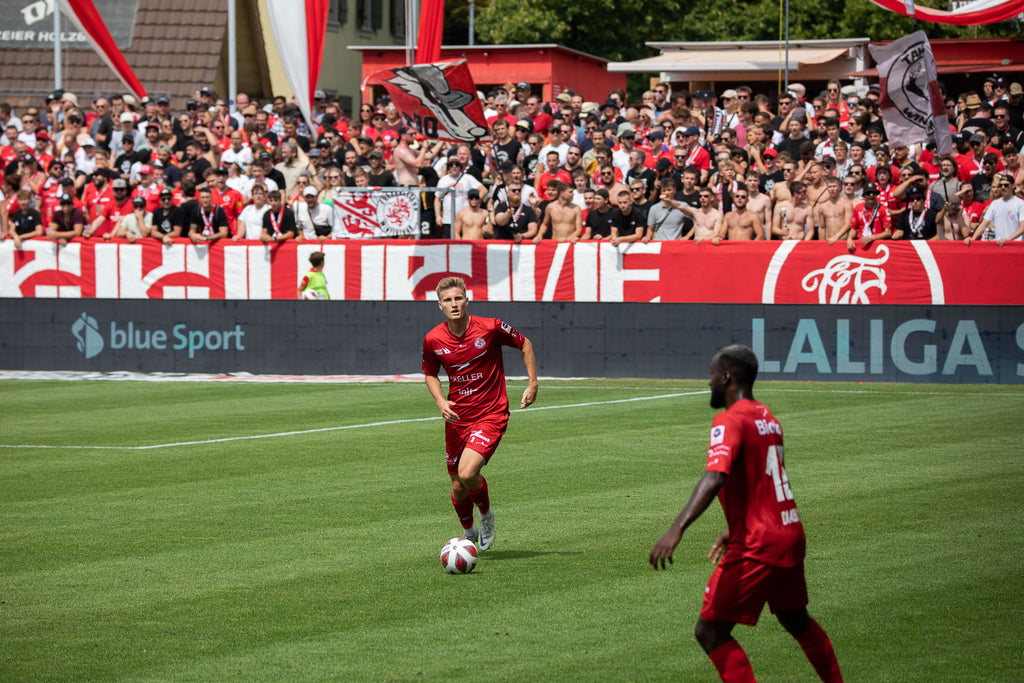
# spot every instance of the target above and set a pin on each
(734, 272)
(299, 28)
(381, 213)
(88, 19)
(971, 14)
(439, 100)
(912, 106)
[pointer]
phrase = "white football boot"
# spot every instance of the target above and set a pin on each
(487, 530)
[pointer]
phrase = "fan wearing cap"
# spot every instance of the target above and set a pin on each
(1004, 218)
(24, 223)
(228, 198)
(870, 221)
(67, 222)
(134, 225)
(378, 175)
(448, 204)
(917, 222)
(164, 226)
(126, 129)
(314, 221)
(470, 222)
(688, 144)
(112, 211)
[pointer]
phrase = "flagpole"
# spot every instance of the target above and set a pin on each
(58, 62)
(232, 56)
(787, 47)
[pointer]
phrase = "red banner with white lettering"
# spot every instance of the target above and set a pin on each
(402, 270)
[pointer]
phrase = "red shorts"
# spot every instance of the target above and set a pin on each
(481, 436)
(739, 588)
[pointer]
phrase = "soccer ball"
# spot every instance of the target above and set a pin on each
(459, 556)
(310, 294)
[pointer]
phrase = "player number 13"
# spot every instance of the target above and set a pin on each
(777, 471)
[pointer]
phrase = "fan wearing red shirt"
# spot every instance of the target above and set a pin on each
(760, 558)
(476, 409)
(112, 212)
(229, 199)
(97, 194)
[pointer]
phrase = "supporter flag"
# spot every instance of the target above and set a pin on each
(386, 212)
(912, 106)
(971, 14)
(88, 19)
(299, 29)
(439, 100)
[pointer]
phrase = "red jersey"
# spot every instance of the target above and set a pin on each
(48, 196)
(872, 222)
(113, 213)
(232, 202)
(474, 364)
(151, 194)
(746, 445)
(96, 200)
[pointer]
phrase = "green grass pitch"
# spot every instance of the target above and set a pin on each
(314, 555)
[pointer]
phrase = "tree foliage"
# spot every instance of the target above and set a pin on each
(618, 30)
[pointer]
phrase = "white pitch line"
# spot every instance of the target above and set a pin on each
(335, 429)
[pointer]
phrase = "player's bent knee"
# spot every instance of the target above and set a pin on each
(795, 622)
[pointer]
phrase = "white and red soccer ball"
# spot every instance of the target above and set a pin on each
(459, 556)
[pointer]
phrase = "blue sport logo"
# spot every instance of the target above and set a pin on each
(86, 331)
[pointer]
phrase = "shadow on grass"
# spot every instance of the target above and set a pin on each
(522, 554)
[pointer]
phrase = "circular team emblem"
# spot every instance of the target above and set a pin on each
(479, 343)
(397, 214)
(906, 86)
(907, 274)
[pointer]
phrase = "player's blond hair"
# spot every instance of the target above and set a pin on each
(448, 283)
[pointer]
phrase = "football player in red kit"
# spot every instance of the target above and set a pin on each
(760, 557)
(476, 409)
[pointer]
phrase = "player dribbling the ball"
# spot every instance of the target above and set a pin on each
(476, 409)
(760, 558)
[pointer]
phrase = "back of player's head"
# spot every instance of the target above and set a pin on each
(448, 283)
(740, 361)
(316, 259)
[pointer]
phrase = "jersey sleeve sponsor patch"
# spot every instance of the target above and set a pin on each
(717, 435)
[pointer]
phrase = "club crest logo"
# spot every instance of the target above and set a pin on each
(479, 343)
(846, 279)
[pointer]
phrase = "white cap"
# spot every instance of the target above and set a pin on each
(310, 191)
(127, 116)
(88, 142)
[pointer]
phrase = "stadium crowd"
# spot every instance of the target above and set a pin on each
(670, 165)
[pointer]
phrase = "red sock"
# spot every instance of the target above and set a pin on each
(481, 497)
(464, 509)
(732, 663)
(818, 648)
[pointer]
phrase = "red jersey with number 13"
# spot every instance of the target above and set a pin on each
(746, 445)
(474, 364)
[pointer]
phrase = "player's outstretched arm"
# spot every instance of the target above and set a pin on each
(703, 493)
(530, 361)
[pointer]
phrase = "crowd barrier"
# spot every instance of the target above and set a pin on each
(920, 273)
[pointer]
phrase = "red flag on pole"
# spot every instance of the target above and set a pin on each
(431, 28)
(85, 14)
(299, 29)
(439, 100)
